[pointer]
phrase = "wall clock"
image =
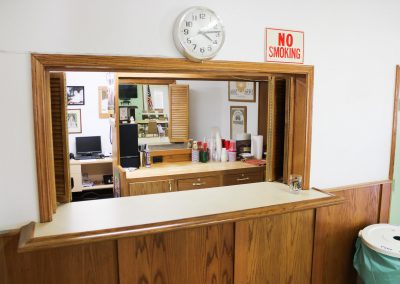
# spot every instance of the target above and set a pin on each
(198, 33)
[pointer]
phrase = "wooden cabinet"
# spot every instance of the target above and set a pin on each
(199, 182)
(179, 176)
(151, 187)
(242, 178)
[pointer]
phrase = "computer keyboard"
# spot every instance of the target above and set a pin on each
(89, 157)
(84, 158)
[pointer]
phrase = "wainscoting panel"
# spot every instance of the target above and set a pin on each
(313, 245)
(337, 227)
(275, 249)
(91, 263)
(200, 255)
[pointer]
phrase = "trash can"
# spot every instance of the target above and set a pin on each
(377, 257)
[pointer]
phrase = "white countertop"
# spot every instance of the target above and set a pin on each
(131, 211)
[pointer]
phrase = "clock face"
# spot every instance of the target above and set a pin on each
(199, 33)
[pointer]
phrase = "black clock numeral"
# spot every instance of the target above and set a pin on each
(202, 50)
(194, 46)
(202, 16)
(188, 41)
(189, 24)
(218, 34)
(186, 31)
(215, 42)
(194, 17)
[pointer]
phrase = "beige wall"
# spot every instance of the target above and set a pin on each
(354, 46)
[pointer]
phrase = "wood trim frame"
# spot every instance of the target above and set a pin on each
(163, 68)
(394, 124)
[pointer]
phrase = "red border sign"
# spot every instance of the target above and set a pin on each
(284, 46)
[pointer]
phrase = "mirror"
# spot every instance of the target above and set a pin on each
(148, 106)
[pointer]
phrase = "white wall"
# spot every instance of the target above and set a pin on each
(92, 124)
(160, 89)
(354, 46)
(209, 107)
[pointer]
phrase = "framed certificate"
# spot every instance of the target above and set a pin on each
(241, 91)
(238, 120)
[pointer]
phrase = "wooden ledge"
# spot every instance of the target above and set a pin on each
(28, 242)
(359, 185)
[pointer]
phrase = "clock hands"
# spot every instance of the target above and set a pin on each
(207, 32)
(205, 35)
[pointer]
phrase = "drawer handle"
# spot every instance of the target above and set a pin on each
(170, 185)
(243, 179)
(198, 183)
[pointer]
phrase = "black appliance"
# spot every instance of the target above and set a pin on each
(108, 179)
(128, 146)
(127, 92)
(88, 146)
(92, 194)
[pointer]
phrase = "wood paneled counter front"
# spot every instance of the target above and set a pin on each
(167, 177)
(251, 233)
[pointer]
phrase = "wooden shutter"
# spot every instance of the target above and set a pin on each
(275, 128)
(60, 137)
(178, 113)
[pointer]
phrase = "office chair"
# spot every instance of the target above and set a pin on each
(152, 128)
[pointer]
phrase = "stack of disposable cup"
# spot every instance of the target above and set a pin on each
(257, 146)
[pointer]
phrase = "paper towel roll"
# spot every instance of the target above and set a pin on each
(257, 146)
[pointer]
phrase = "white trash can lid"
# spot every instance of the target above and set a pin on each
(383, 238)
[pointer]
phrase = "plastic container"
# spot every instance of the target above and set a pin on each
(195, 156)
(377, 257)
(231, 156)
(147, 157)
(224, 155)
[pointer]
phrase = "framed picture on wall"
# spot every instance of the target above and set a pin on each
(76, 95)
(240, 91)
(103, 102)
(74, 121)
(238, 117)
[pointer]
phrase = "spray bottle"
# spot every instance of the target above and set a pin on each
(147, 156)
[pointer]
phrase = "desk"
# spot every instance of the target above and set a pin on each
(94, 168)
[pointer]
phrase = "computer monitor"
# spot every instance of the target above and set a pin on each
(88, 145)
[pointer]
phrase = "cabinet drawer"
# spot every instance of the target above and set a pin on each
(200, 182)
(242, 178)
(151, 187)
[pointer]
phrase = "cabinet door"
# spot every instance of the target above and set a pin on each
(199, 182)
(178, 113)
(151, 187)
(242, 178)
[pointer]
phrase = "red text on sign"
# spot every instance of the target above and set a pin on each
(285, 39)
